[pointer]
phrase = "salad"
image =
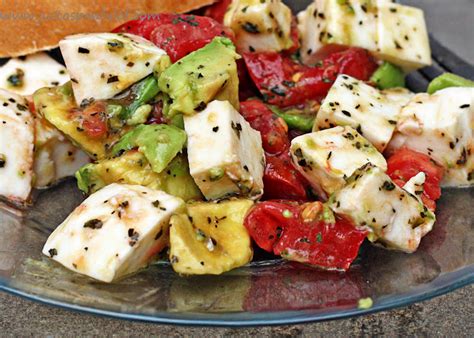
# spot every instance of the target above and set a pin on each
(200, 137)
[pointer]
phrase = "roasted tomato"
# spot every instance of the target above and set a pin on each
(306, 233)
(93, 119)
(282, 181)
(284, 82)
(273, 129)
(406, 163)
(217, 11)
(177, 34)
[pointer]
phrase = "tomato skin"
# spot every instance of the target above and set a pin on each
(177, 34)
(284, 83)
(281, 180)
(93, 119)
(217, 11)
(273, 129)
(311, 240)
(406, 163)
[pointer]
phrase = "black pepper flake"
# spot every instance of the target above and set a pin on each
(465, 106)
(278, 91)
(329, 155)
(215, 129)
(52, 252)
(392, 121)
(130, 64)
(3, 160)
(389, 186)
(201, 106)
(451, 145)
(209, 220)
(345, 112)
(94, 224)
(113, 79)
(463, 159)
(156, 203)
(251, 49)
(133, 236)
(159, 234)
(251, 28)
(83, 50)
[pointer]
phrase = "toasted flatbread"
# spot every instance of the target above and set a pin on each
(30, 26)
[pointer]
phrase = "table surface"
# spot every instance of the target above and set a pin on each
(452, 22)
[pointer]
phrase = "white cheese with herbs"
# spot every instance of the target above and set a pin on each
(327, 158)
(225, 154)
(114, 232)
(394, 32)
(17, 136)
(260, 25)
(395, 218)
(352, 102)
(55, 156)
(101, 65)
(27, 74)
(441, 126)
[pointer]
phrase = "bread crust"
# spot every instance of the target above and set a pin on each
(30, 26)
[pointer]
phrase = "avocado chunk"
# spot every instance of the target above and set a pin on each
(159, 143)
(211, 238)
(448, 80)
(133, 168)
(388, 76)
(57, 104)
(208, 74)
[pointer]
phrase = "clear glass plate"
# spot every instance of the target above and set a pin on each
(266, 292)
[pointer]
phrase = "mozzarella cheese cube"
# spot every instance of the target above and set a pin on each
(327, 158)
(441, 126)
(17, 136)
(403, 36)
(395, 217)
(260, 25)
(114, 232)
(394, 32)
(352, 102)
(26, 75)
(401, 96)
(225, 154)
(55, 156)
(101, 65)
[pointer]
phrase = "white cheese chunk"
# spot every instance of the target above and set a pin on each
(396, 218)
(354, 103)
(403, 36)
(393, 32)
(441, 126)
(102, 65)
(415, 185)
(26, 75)
(327, 158)
(55, 156)
(16, 148)
(114, 232)
(225, 154)
(260, 25)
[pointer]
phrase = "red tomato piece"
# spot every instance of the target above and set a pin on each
(284, 82)
(303, 236)
(93, 119)
(177, 34)
(273, 129)
(281, 180)
(295, 37)
(264, 222)
(218, 10)
(406, 163)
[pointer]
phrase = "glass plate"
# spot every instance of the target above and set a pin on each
(266, 292)
(269, 291)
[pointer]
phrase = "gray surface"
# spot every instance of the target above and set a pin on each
(452, 22)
